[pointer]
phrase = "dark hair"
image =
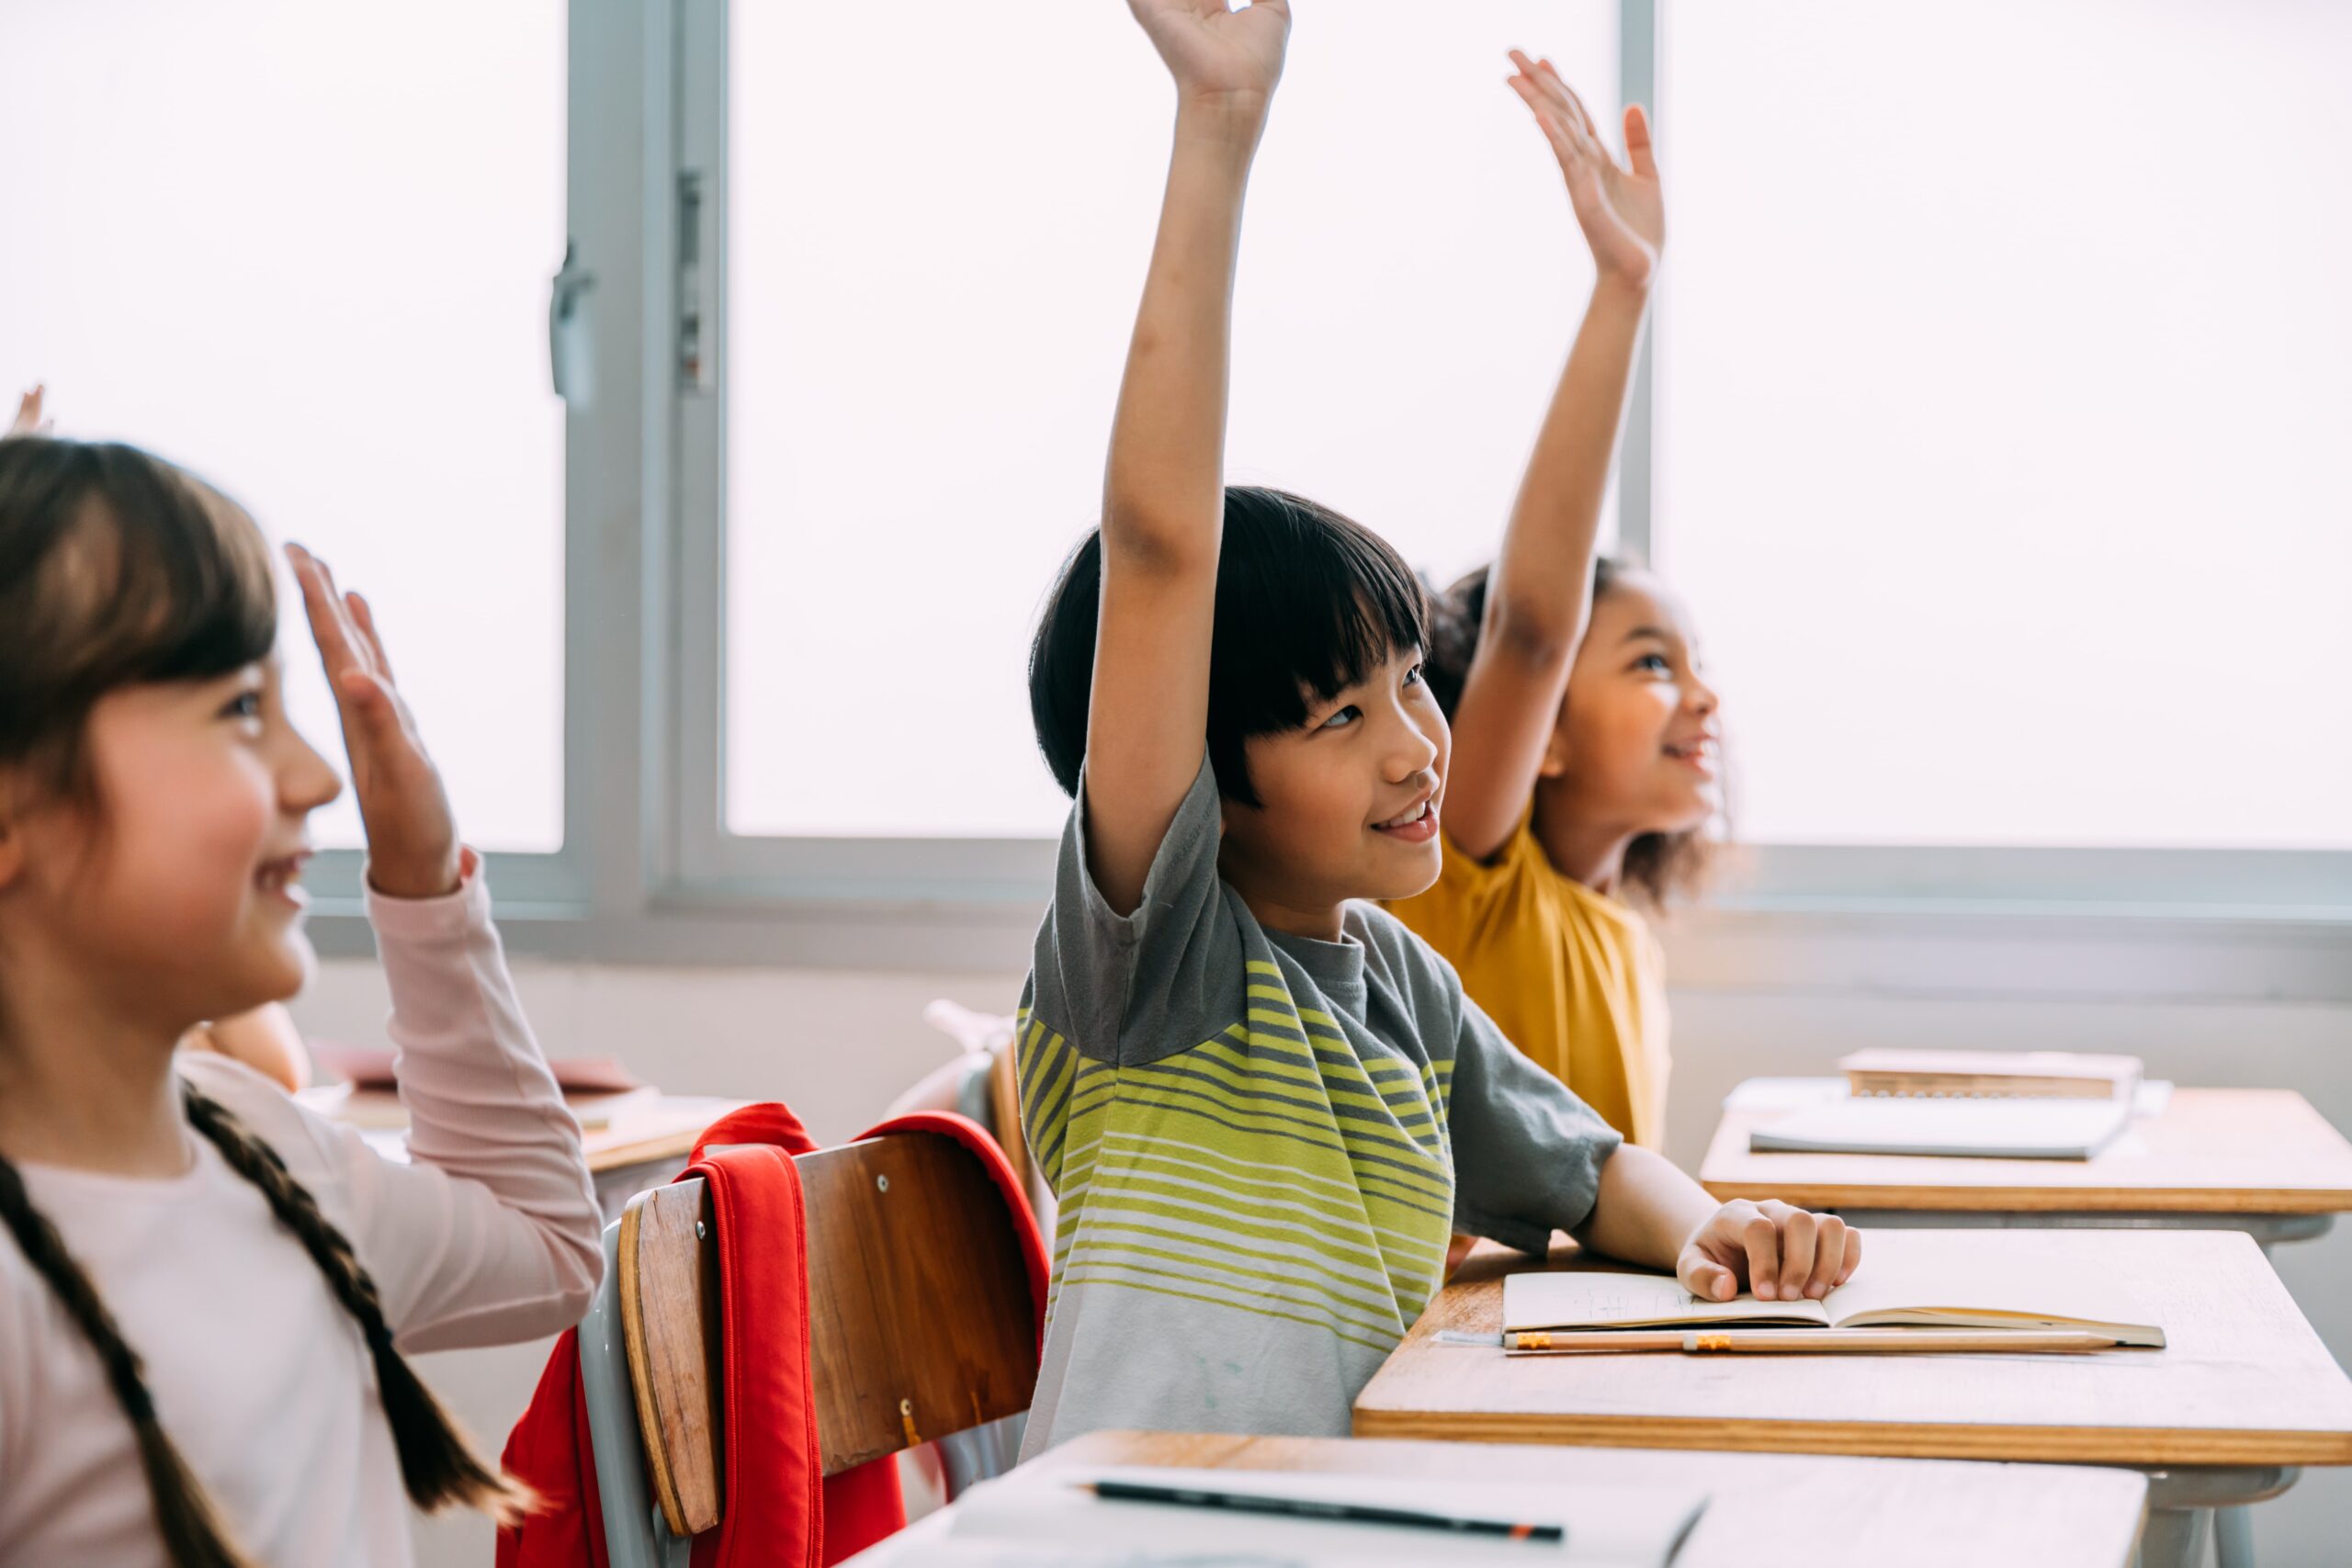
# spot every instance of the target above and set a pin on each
(1659, 868)
(117, 569)
(1308, 603)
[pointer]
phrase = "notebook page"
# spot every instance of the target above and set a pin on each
(1947, 1274)
(1596, 1299)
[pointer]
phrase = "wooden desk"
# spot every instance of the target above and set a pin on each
(661, 1132)
(2243, 1386)
(643, 1149)
(2213, 1152)
(1865, 1513)
(2243, 1381)
(2256, 1160)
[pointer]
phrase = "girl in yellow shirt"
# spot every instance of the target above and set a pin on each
(1585, 743)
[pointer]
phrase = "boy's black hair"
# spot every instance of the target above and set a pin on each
(1308, 603)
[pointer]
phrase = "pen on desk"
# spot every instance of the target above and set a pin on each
(1809, 1341)
(1320, 1508)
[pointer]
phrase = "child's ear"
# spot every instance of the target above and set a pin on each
(1556, 754)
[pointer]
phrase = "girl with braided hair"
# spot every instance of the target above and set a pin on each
(207, 1288)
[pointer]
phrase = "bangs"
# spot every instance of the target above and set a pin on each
(117, 568)
(1308, 604)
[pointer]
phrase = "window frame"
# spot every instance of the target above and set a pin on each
(649, 873)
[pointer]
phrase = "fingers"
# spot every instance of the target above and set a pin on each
(369, 700)
(1853, 1257)
(1580, 160)
(1704, 1278)
(1797, 1230)
(28, 420)
(363, 615)
(1584, 116)
(329, 626)
(1639, 152)
(1761, 1239)
(1829, 1255)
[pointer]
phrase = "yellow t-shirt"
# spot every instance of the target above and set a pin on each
(1573, 977)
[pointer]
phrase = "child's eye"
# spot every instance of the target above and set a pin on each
(244, 706)
(1413, 676)
(1341, 720)
(1655, 663)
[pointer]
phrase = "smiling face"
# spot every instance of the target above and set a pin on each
(175, 881)
(1350, 803)
(1637, 746)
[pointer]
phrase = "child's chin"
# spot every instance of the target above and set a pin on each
(277, 971)
(1418, 877)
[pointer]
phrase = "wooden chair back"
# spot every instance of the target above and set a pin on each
(920, 1318)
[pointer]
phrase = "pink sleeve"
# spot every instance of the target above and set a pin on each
(492, 1234)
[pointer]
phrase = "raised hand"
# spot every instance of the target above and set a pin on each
(1217, 53)
(1620, 207)
(1777, 1251)
(28, 419)
(412, 850)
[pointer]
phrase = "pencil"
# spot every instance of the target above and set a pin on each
(1808, 1341)
(1320, 1508)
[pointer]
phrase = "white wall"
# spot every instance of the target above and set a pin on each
(837, 1045)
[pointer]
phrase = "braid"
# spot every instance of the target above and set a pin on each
(192, 1531)
(438, 1464)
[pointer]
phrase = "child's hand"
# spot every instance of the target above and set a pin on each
(1781, 1253)
(1217, 53)
(412, 839)
(28, 420)
(1621, 212)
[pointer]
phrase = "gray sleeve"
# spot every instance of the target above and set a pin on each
(1527, 1154)
(1136, 988)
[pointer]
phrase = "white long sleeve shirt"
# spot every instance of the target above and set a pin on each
(261, 1379)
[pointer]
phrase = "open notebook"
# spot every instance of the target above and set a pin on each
(1039, 1517)
(1917, 1289)
(1990, 1129)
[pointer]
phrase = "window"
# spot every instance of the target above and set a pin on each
(931, 288)
(2002, 401)
(306, 248)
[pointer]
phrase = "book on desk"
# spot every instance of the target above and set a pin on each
(1921, 1294)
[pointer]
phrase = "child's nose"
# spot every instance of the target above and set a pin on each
(1415, 753)
(307, 781)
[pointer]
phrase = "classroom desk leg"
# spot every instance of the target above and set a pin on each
(2233, 1538)
(2268, 1230)
(2187, 1505)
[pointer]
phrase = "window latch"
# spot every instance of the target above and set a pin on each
(570, 357)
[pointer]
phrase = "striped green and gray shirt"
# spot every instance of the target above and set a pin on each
(1260, 1143)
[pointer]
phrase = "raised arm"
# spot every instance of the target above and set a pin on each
(1163, 502)
(1541, 589)
(491, 1233)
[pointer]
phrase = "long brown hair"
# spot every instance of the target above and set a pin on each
(1660, 869)
(117, 569)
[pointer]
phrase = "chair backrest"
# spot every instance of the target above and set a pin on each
(920, 1318)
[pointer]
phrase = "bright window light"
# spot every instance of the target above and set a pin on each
(2005, 377)
(938, 227)
(304, 249)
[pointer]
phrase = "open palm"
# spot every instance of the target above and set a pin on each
(1620, 209)
(1215, 52)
